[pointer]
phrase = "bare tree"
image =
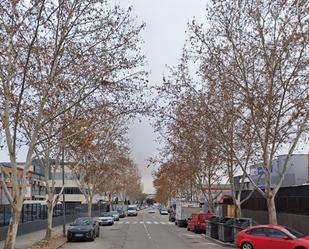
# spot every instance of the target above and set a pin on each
(66, 50)
(261, 48)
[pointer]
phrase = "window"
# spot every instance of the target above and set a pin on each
(274, 233)
(257, 232)
(293, 234)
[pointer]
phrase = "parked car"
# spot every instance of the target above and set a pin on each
(115, 215)
(151, 210)
(132, 211)
(121, 213)
(84, 228)
(163, 211)
(271, 237)
(106, 219)
(197, 222)
(172, 217)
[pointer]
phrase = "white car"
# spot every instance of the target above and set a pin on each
(106, 219)
(132, 211)
(151, 211)
(163, 212)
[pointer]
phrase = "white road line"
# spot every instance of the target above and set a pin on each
(170, 223)
(120, 222)
(162, 222)
(149, 222)
(147, 232)
(155, 222)
(128, 222)
(135, 222)
(192, 235)
(141, 222)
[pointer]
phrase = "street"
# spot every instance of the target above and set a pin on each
(146, 231)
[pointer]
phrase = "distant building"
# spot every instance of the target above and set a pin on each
(8, 181)
(297, 174)
(36, 186)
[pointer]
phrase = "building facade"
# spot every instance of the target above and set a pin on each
(297, 174)
(8, 181)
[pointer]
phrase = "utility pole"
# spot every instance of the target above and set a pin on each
(63, 196)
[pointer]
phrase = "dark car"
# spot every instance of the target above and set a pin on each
(172, 217)
(83, 229)
(122, 213)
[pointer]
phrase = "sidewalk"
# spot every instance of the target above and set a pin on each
(27, 240)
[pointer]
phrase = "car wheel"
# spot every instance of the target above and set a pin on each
(93, 236)
(246, 245)
(98, 233)
(195, 229)
(69, 239)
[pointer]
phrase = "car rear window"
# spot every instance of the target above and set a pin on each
(257, 232)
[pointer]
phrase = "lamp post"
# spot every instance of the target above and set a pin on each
(63, 196)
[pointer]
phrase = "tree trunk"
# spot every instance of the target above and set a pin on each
(12, 230)
(49, 227)
(238, 212)
(89, 208)
(272, 214)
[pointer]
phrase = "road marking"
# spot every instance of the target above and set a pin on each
(192, 235)
(145, 222)
(147, 232)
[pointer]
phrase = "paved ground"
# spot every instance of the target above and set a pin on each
(27, 240)
(146, 231)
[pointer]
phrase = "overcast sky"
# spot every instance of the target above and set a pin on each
(164, 37)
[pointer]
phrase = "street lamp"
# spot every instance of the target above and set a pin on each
(63, 195)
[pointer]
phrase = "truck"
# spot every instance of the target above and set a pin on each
(184, 210)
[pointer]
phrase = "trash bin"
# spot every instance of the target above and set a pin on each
(225, 230)
(212, 226)
(241, 224)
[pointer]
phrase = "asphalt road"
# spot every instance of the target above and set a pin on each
(146, 231)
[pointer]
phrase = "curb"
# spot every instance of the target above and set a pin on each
(220, 242)
(61, 245)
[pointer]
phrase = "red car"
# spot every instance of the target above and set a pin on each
(271, 237)
(197, 222)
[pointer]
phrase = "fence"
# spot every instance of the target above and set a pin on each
(30, 212)
(34, 216)
(293, 200)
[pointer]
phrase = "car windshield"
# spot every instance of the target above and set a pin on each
(81, 222)
(106, 215)
(292, 233)
(114, 212)
(131, 208)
